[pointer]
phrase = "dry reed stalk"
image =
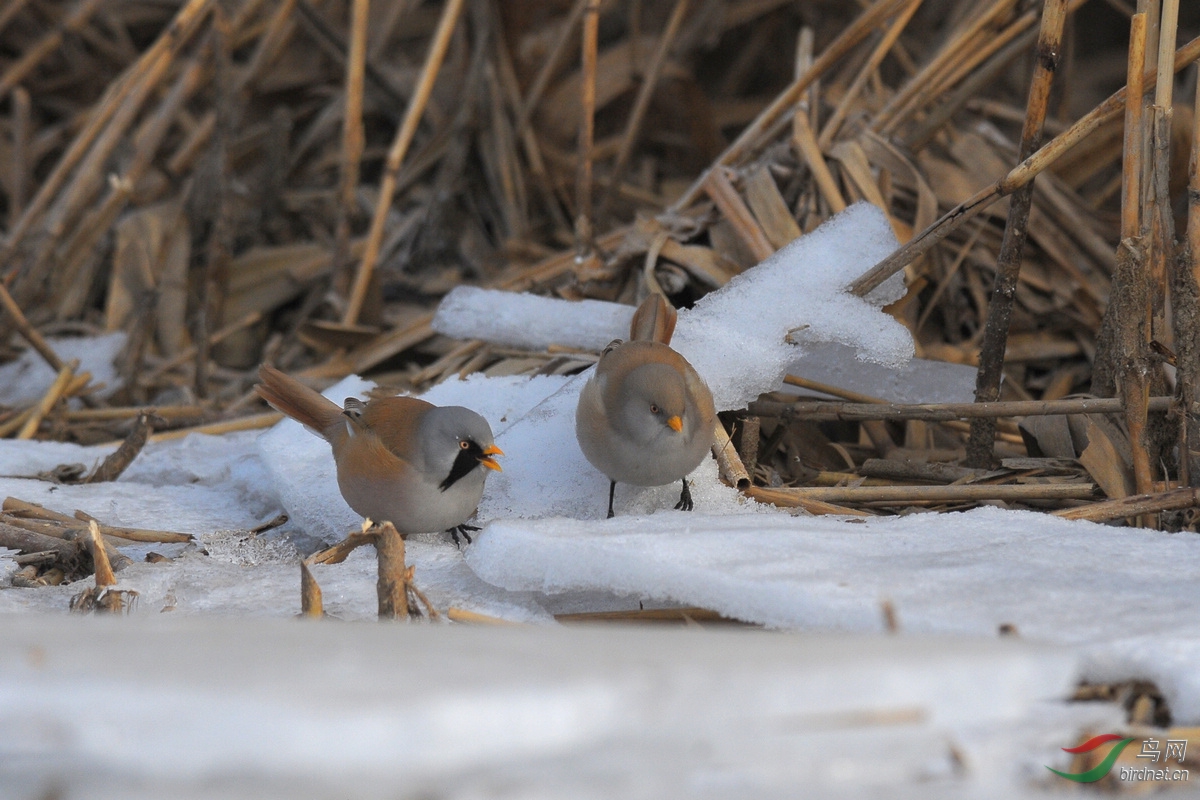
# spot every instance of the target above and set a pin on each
(584, 218)
(455, 614)
(1020, 175)
(311, 602)
(29, 333)
(10, 10)
(251, 423)
(734, 209)
(923, 86)
(49, 399)
(691, 614)
(132, 412)
(50, 43)
(396, 154)
(18, 511)
(729, 463)
(784, 498)
(1008, 267)
(830, 129)
(1133, 506)
(1185, 301)
(633, 126)
(85, 149)
(805, 142)
(931, 494)
(750, 137)
(546, 73)
(826, 411)
(1131, 164)
(22, 130)
(70, 300)
(353, 137)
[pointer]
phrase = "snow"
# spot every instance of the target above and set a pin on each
(276, 708)
(741, 338)
(25, 380)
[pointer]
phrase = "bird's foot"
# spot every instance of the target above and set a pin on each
(612, 489)
(685, 498)
(463, 529)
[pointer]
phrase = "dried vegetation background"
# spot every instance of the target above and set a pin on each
(300, 181)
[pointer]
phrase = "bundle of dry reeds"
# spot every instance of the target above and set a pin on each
(231, 181)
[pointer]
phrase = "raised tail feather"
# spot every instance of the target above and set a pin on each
(654, 321)
(290, 396)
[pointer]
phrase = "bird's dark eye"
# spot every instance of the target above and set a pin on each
(464, 444)
(653, 408)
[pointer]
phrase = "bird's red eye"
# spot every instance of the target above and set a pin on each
(464, 444)
(653, 408)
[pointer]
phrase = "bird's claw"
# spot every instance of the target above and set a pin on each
(463, 529)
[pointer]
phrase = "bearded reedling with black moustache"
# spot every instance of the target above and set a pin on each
(399, 459)
(645, 416)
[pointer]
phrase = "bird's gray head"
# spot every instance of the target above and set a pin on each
(653, 403)
(457, 441)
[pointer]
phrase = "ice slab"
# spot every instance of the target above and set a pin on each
(284, 709)
(25, 380)
(742, 337)
(1055, 580)
(918, 381)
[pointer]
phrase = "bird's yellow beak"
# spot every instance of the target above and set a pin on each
(490, 463)
(675, 424)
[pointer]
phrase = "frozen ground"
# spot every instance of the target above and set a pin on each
(210, 689)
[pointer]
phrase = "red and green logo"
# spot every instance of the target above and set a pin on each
(1104, 767)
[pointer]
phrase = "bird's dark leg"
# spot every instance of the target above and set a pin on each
(612, 489)
(685, 498)
(457, 529)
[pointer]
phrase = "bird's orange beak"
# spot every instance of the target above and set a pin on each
(490, 463)
(675, 424)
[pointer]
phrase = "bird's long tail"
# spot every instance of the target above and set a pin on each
(290, 396)
(654, 321)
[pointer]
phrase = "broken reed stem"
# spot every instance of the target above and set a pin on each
(52, 396)
(641, 105)
(1133, 506)
(749, 138)
(1024, 172)
(119, 460)
(930, 494)
(981, 441)
(729, 463)
(392, 585)
(1131, 164)
(311, 600)
(104, 571)
(396, 154)
(828, 411)
(584, 232)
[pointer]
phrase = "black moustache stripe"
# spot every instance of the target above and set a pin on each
(466, 461)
